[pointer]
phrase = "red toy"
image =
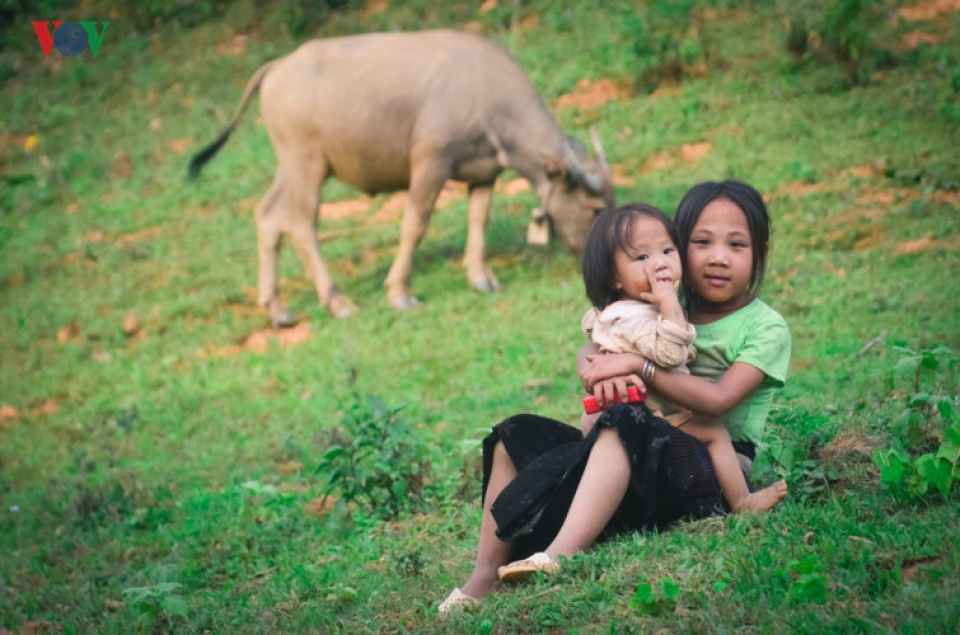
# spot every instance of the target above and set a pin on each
(591, 406)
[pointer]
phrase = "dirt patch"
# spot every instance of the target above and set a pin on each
(391, 209)
(8, 413)
(849, 442)
(237, 45)
(690, 153)
(928, 10)
(147, 233)
(181, 145)
(338, 210)
(928, 243)
(801, 188)
(513, 187)
(259, 341)
(592, 94)
(914, 39)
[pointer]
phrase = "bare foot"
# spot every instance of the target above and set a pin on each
(764, 500)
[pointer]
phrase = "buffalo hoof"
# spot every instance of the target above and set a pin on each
(342, 307)
(404, 302)
(284, 320)
(486, 284)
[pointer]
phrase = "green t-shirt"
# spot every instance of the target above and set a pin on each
(755, 335)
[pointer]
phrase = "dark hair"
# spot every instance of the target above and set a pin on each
(749, 201)
(612, 230)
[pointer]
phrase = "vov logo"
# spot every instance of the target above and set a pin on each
(71, 38)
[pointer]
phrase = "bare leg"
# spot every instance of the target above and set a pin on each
(733, 485)
(491, 551)
(600, 492)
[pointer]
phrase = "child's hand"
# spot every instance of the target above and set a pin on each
(607, 391)
(663, 294)
(663, 288)
(620, 368)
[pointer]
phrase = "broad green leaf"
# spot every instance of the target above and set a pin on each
(907, 364)
(175, 605)
(936, 472)
(950, 448)
(929, 361)
(671, 590)
(946, 409)
(333, 452)
(644, 593)
(919, 398)
(891, 467)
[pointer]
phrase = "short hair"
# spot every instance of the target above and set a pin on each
(611, 231)
(744, 196)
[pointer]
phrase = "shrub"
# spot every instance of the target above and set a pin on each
(377, 460)
(925, 450)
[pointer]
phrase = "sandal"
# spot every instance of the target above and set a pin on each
(523, 569)
(457, 600)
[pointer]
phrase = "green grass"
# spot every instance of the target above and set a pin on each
(173, 486)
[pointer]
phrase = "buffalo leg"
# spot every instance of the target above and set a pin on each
(269, 231)
(474, 256)
(425, 186)
(302, 181)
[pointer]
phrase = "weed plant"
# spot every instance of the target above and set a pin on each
(169, 464)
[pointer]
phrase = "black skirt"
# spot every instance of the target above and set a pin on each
(671, 475)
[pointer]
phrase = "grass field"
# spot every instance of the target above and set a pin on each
(164, 454)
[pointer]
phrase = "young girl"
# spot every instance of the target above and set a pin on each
(549, 491)
(631, 271)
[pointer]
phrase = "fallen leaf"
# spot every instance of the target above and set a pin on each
(114, 604)
(69, 332)
(181, 145)
(236, 46)
(291, 467)
(531, 21)
(31, 143)
(320, 506)
(9, 413)
(131, 324)
(49, 407)
(122, 167)
(910, 568)
(374, 7)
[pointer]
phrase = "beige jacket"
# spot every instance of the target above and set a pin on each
(628, 326)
